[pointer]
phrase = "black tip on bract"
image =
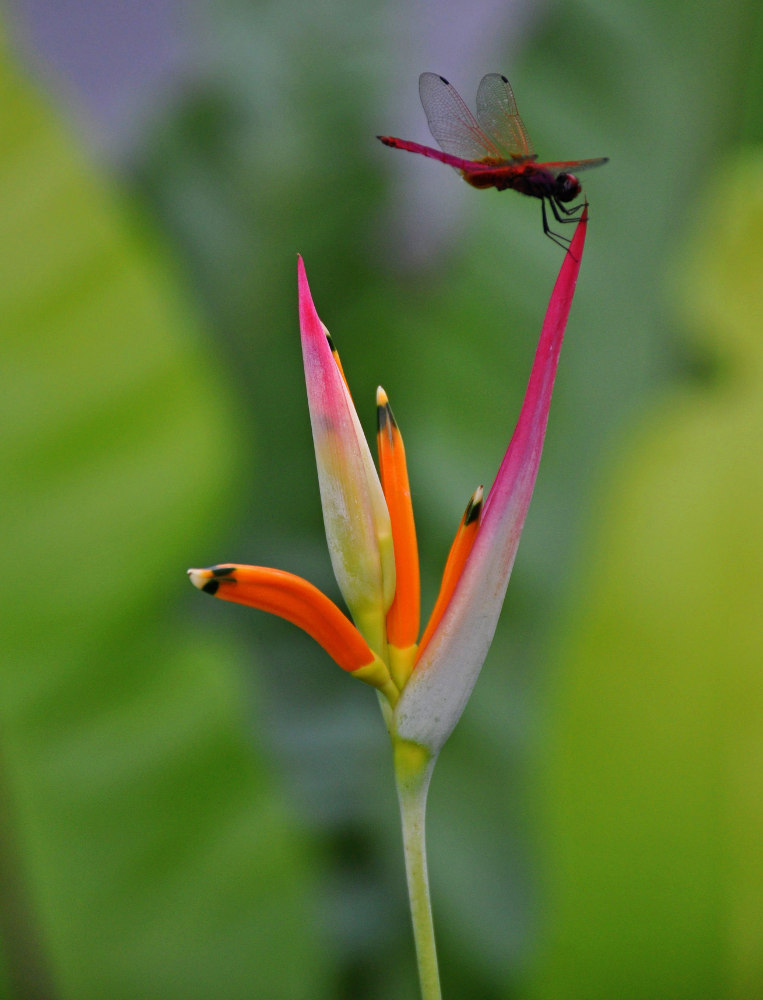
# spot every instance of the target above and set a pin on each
(385, 418)
(209, 580)
(474, 507)
(224, 572)
(225, 569)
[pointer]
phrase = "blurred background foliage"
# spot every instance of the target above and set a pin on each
(194, 801)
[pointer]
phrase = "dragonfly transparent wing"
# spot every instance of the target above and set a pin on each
(497, 114)
(572, 166)
(453, 126)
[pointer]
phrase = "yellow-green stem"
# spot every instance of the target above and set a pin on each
(413, 769)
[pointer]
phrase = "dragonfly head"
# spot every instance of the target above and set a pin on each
(567, 187)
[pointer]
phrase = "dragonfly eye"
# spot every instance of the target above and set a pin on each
(567, 187)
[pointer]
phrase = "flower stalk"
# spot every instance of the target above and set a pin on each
(413, 771)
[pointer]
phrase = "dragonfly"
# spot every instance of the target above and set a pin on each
(494, 149)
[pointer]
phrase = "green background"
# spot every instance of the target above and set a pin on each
(194, 801)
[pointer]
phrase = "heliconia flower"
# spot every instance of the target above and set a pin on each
(424, 681)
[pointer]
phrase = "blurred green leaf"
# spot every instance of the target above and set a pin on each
(654, 751)
(155, 858)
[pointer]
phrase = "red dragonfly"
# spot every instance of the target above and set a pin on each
(493, 149)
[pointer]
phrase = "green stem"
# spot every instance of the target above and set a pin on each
(413, 769)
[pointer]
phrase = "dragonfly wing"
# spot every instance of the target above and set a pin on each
(572, 166)
(497, 114)
(451, 123)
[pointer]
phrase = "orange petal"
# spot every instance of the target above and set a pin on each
(403, 615)
(293, 598)
(459, 550)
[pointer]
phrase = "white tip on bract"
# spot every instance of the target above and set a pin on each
(197, 578)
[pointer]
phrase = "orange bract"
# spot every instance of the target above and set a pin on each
(459, 550)
(403, 615)
(293, 598)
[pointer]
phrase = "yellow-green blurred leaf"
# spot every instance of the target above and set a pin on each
(155, 857)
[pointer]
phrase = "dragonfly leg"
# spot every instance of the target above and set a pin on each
(571, 213)
(560, 241)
